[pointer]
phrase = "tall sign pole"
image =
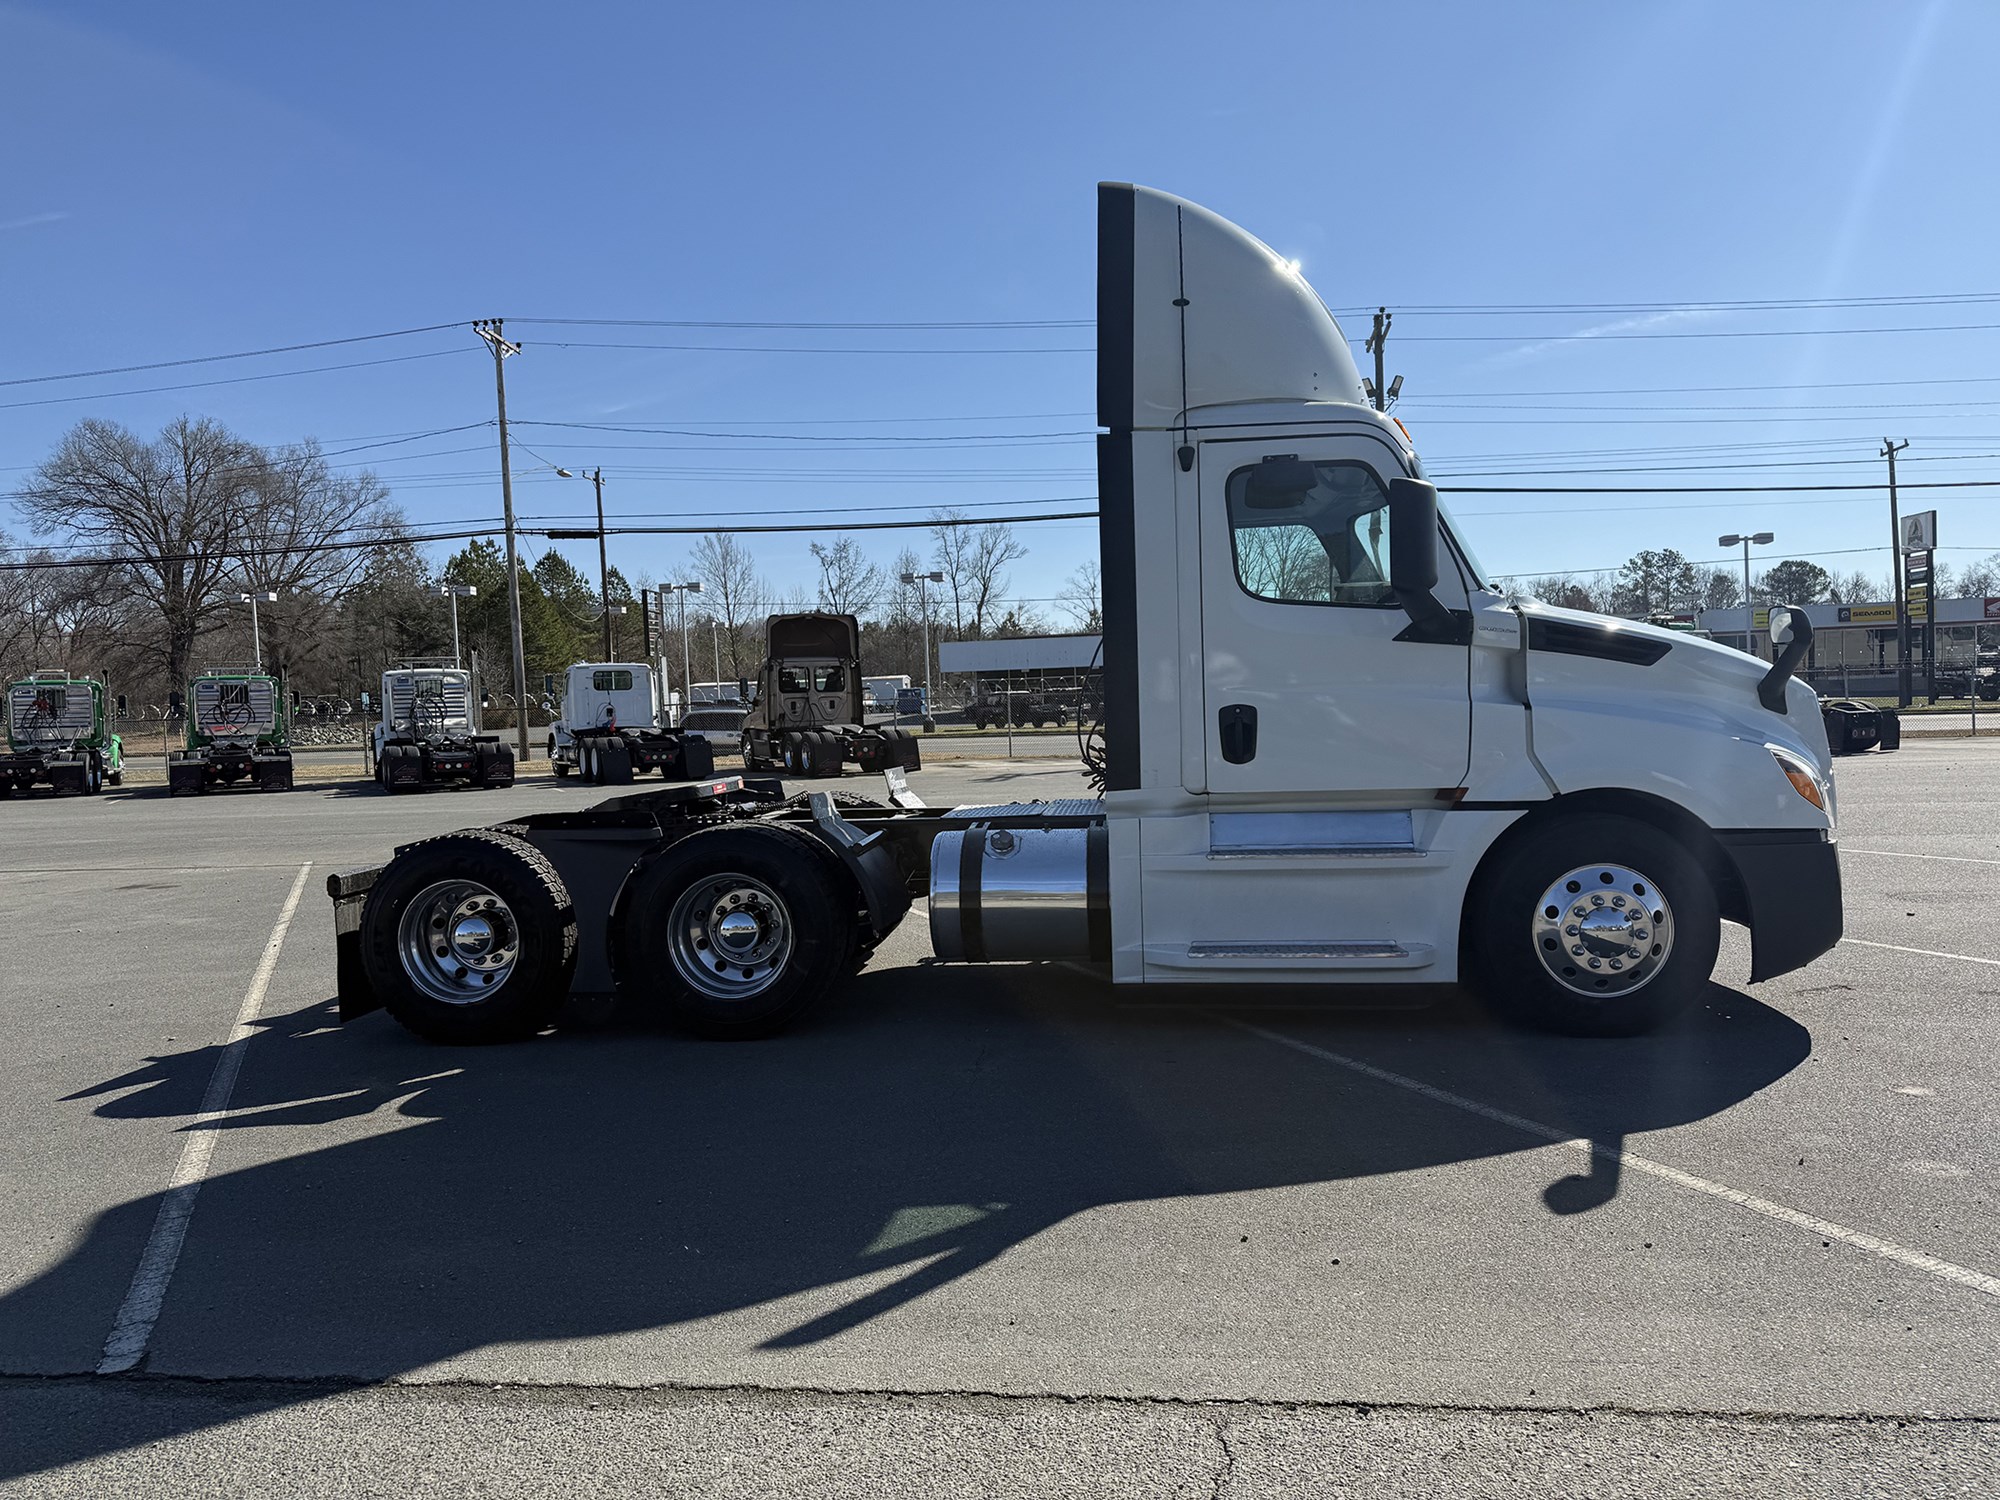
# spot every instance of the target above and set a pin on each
(1889, 451)
(489, 330)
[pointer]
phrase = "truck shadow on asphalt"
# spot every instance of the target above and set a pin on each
(593, 1183)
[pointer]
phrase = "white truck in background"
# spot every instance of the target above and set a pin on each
(614, 727)
(1333, 753)
(429, 734)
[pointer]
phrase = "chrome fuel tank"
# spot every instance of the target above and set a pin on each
(1020, 893)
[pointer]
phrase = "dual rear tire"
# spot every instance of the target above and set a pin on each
(731, 932)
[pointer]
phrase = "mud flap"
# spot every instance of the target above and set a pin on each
(824, 753)
(495, 766)
(349, 890)
(274, 773)
(186, 776)
(694, 760)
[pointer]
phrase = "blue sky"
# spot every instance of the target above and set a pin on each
(196, 180)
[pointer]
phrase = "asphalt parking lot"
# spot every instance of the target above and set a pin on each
(1003, 1230)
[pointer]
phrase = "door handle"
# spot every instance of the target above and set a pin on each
(1237, 725)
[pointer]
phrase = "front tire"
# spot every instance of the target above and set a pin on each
(1592, 926)
(739, 932)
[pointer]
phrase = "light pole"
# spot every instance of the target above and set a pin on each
(610, 636)
(262, 596)
(715, 640)
(455, 592)
(596, 478)
(923, 582)
(1761, 539)
(687, 657)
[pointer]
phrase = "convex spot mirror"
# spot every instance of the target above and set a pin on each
(1280, 482)
(1781, 626)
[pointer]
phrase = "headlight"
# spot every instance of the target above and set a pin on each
(1804, 779)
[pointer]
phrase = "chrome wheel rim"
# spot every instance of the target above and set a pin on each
(458, 942)
(1603, 930)
(730, 936)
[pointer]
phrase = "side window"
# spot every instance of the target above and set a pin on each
(611, 682)
(1323, 544)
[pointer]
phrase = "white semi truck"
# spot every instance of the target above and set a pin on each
(429, 732)
(1334, 754)
(613, 727)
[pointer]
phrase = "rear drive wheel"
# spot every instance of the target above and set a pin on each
(1593, 926)
(739, 932)
(470, 938)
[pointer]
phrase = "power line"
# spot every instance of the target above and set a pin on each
(793, 437)
(705, 323)
(802, 349)
(209, 359)
(150, 390)
(1692, 390)
(1690, 333)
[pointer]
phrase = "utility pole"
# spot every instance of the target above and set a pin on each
(1889, 451)
(1379, 392)
(489, 330)
(603, 562)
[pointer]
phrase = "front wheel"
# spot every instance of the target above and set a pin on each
(1593, 926)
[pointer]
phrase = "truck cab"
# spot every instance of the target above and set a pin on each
(57, 736)
(237, 733)
(809, 712)
(1334, 750)
(429, 731)
(614, 726)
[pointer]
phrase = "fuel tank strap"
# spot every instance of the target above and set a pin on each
(971, 924)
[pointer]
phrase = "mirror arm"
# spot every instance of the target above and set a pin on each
(1771, 691)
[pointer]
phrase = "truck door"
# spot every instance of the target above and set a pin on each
(1313, 680)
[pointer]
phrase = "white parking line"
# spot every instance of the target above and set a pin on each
(1955, 859)
(133, 1328)
(1964, 958)
(1826, 1229)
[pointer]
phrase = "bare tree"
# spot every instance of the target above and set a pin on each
(175, 506)
(1717, 588)
(302, 504)
(730, 595)
(991, 550)
(1564, 590)
(1082, 597)
(849, 584)
(1980, 579)
(951, 550)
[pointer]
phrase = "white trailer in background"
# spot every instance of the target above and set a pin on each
(1333, 753)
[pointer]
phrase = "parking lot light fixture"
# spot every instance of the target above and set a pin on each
(253, 599)
(1747, 539)
(923, 581)
(455, 592)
